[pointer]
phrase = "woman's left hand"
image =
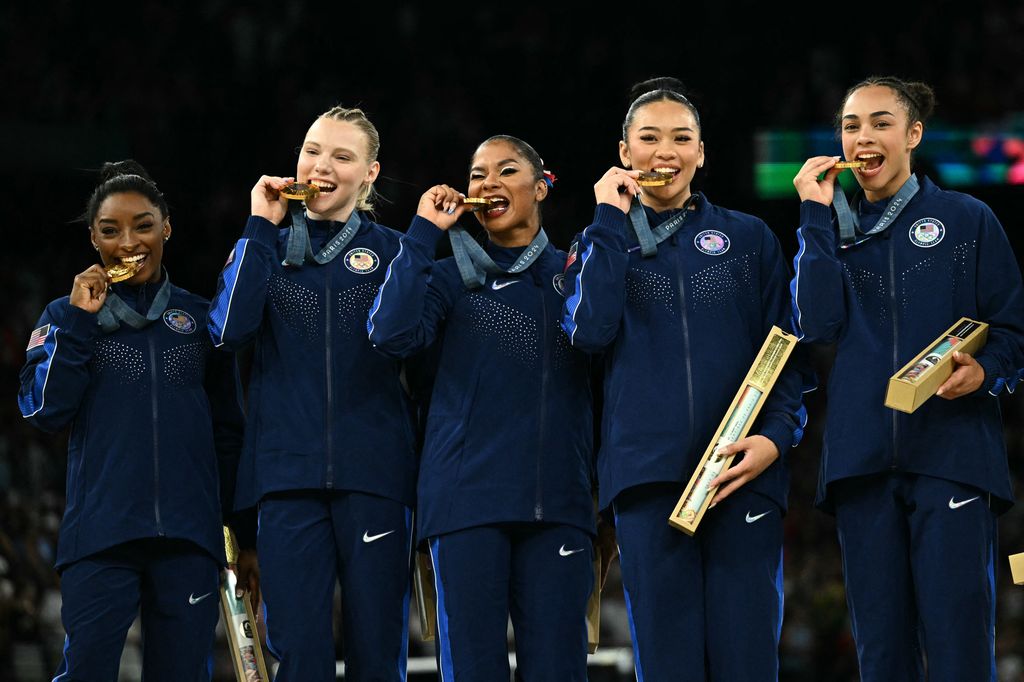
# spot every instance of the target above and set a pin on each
(966, 378)
(247, 572)
(760, 453)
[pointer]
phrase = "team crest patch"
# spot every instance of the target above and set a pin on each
(38, 337)
(361, 261)
(179, 321)
(712, 242)
(927, 232)
(558, 281)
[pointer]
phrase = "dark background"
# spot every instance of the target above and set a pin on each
(211, 96)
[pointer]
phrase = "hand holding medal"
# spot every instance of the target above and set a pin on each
(618, 186)
(810, 188)
(442, 205)
(269, 197)
(90, 289)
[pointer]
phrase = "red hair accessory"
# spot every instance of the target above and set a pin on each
(550, 178)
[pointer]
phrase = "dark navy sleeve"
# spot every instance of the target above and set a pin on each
(224, 391)
(415, 297)
(819, 306)
(596, 282)
(56, 372)
(237, 310)
(1000, 301)
(784, 416)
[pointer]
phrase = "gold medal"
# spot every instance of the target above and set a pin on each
(119, 272)
(850, 164)
(300, 191)
(478, 203)
(654, 179)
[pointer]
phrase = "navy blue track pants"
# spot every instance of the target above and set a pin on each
(919, 564)
(307, 543)
(172, 583)
(539, 574)
(706, 607)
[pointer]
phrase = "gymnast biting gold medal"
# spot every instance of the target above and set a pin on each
(480, 203)
(654, 178)
(300, 190)
(126, 269)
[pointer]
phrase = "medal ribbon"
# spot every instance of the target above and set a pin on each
(849, 220)
(115, 310)
(298, 250)
(649, 238)
(475, 264)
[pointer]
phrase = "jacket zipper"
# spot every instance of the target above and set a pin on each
(895, 342)
(538, 506)
(680, 280)
(328, 428)
(156, 438)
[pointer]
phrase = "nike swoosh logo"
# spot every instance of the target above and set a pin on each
(192, 599)
(956, 505)
(501, 285)
(372, 538)
(562, 551)
(751, 519)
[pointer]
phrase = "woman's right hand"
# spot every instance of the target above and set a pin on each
(442, 206)
(617, 187)
(90, 289)
(807, 184)
(266, 200)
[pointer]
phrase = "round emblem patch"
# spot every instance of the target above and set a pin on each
(361, 261)
(179, 321)
(927, 232)
(712, 242)
(558, 281)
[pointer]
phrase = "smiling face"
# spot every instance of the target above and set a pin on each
(129, 228)
(334, 157)
(498, 171)
(875, 129)
(664, 136)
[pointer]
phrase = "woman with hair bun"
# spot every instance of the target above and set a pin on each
(330, 457)
(680, 295)
(915, 495)
(154, 414)
(505, 482)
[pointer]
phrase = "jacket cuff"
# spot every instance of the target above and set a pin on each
(610, 217)
(425, 232)
(992, 383)
(780, 433)
(80, 324)
(261, 230)
(814, 214)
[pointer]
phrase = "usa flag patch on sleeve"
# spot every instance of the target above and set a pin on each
(38, 337)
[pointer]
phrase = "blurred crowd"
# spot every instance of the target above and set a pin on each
(208, 99)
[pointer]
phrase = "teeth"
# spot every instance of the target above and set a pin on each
(323, 186)
(133, 259)
(665, 169)
(872, 155)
